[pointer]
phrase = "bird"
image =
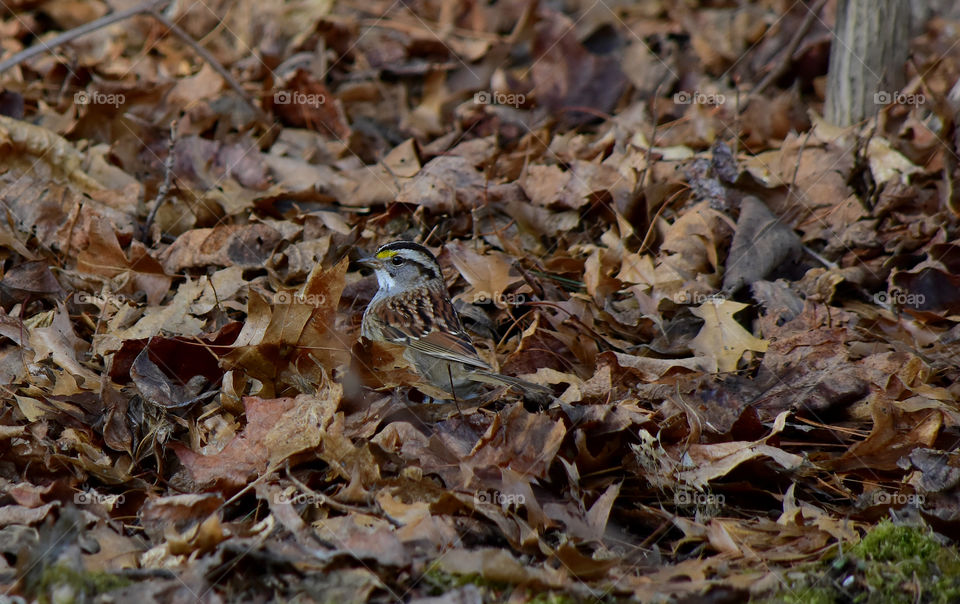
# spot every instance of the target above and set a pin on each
(412, 308)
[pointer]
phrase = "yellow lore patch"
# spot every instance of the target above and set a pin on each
(386, 254)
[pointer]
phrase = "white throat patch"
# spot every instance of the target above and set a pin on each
(385, 281)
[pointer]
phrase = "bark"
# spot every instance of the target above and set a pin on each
(867, 58)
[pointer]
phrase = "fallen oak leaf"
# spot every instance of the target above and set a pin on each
(364, 537)
(46, 145)
(489, 275)
(158, 515)
(495, 564)
(296, 333)
(761, 243)
(722, 340)
(175, 317)
(159, 389)
(566, 76)
(246, 246)
(303, 427)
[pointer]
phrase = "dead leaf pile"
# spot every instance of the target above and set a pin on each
(749, 319)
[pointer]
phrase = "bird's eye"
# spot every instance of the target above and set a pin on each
(397, 260)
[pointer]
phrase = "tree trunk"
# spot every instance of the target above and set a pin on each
(867, 57)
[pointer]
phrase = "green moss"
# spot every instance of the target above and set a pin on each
(89, 583)
(809, 595)
(907, 564)
(888, 542)
(891, 564)
(440, 582)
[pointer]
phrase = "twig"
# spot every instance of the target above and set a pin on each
(648, 238)
(209, 58)
(150, 7)
(336, 505)
(787, 59)
(77, 32)
(642, 181)
(165, 186)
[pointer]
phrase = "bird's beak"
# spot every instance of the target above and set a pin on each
(370, 262)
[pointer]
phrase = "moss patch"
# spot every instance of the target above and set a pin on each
(891, 564)
(88, 583)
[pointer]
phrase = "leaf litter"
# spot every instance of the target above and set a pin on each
(748, 318)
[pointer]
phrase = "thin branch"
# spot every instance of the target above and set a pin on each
(151, 8)
(209, 58)
(165, 186)
(787, 58)
(72, 34)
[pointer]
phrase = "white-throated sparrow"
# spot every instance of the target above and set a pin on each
(412, 308)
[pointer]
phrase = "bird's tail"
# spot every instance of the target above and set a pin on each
(534, 391)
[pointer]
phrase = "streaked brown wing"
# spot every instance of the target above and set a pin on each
(429, 326)
(449, 347)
